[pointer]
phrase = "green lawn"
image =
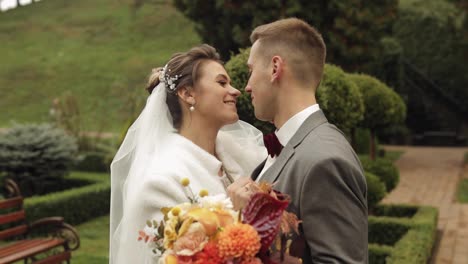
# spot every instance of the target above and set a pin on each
(462, 193)
(94, 237)
(100, 51)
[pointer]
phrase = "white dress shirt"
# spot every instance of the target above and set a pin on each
(287, 131)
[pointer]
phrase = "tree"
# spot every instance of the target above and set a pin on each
(340, 99)
(351, 29)
(384, 107)
(434, 38)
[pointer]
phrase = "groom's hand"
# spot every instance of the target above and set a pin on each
(240, 192)
(276, 258)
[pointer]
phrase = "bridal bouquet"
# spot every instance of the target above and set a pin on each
(207, 230)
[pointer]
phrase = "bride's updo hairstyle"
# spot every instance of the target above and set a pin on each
(182, 70)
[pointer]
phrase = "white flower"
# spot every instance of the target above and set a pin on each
(219, 201)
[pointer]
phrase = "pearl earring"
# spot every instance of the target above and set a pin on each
(192, 108)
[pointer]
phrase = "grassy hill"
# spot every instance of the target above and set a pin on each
(99, 51)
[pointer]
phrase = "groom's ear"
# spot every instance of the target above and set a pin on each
(277, 64)
(186, 94)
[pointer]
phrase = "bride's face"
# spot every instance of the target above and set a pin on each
(215, 97)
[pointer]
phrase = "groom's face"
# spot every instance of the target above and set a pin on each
(259, 84)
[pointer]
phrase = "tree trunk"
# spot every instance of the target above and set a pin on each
(372, 145)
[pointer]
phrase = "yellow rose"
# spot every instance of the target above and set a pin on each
(170, 233)
(207, 218)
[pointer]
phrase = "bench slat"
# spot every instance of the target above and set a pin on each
(14, 231)
(19, 246)
(55, 259)
(11, 203)
(27, 248)
(12, 217)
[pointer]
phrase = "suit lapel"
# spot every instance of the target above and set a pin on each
(257, 170)
(312, 122)
(272, 173)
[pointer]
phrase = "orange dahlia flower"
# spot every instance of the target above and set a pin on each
(238, 241)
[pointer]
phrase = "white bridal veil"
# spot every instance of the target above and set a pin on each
(142, 143)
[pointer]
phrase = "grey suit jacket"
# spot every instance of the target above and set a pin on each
(324, 177)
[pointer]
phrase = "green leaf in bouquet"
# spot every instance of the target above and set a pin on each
(161, 229)
(148, 223)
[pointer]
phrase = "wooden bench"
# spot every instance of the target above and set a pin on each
(49, 240)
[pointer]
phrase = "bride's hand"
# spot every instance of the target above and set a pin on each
(240, 192)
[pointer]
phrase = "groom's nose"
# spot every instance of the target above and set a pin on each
(248, 89)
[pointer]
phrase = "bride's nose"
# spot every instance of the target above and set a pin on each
(235, 92)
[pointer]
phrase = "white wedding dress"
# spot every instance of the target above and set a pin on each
(147, 169)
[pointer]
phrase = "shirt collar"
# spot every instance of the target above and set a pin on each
(287, 131)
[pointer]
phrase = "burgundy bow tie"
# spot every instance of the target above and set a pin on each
(272, 144)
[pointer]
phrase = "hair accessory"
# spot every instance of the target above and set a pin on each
(169, 81)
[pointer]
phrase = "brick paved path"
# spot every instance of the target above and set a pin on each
(429, 176)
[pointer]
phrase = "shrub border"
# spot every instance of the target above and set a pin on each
(416, 245)
(75, 205)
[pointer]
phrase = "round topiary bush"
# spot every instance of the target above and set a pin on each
(384, 169)
(239, 73)
(340, 99)
(375, 190)
(36, 157)
(384, 107)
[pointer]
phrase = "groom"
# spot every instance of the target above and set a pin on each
(317, 166)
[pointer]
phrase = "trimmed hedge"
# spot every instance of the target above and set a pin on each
(93, 162)
(77, 205)
(384, 169)
(396, 210)
(411, 246)
(378, 253)
(385, 230)
(375, 190)
(416, 245)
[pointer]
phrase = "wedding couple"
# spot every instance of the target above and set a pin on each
(190, 128)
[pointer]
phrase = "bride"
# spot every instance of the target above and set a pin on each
(189, 128)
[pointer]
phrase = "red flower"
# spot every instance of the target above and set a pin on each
(209, 255)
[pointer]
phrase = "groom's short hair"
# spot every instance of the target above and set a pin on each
(297, 42)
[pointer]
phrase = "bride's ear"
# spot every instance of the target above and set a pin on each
(186, 94)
